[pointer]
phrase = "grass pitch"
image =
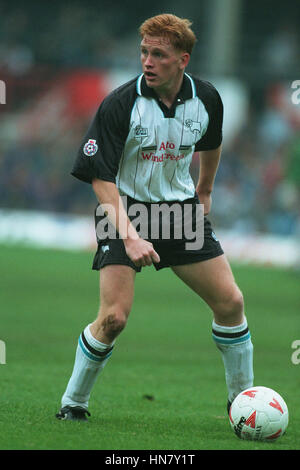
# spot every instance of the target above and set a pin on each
(164, 387)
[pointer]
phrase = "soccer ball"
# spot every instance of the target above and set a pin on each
(259, 414)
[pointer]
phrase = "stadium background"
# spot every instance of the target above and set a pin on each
(58, 60)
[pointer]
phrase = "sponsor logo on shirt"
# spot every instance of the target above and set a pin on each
(165, 148)
(140, 131)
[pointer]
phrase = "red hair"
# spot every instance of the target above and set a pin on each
(177, 30)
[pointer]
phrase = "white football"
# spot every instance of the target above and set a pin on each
(259, 414)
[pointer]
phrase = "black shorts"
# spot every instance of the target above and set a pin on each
(172, 252)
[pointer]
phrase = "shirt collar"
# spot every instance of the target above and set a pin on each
(186, 92)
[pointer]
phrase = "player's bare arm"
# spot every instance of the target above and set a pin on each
(209, 162)
(140, 251)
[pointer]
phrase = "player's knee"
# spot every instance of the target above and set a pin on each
(231, 308)
(114, 322)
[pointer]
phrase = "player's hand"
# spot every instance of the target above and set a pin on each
(141, 252)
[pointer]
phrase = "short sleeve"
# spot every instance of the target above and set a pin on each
(212, 139)
(101, 149)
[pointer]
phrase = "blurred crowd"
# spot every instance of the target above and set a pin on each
(69, 33)
(258, 183)
(257, 187)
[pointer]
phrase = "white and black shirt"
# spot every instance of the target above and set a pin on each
(146, 148)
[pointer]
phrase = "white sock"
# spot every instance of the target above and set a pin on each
(91, 357)
(236, 348)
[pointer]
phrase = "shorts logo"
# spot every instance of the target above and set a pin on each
(90, 148)
(214, 236)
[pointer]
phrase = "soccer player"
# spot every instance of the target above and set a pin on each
(138, 149)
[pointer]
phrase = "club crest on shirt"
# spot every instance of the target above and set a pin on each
(194, 126)
(90, 148)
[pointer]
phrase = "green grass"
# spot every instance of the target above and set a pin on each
(166, 351)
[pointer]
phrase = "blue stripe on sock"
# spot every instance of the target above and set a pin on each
(90, 355)
(241, 339)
